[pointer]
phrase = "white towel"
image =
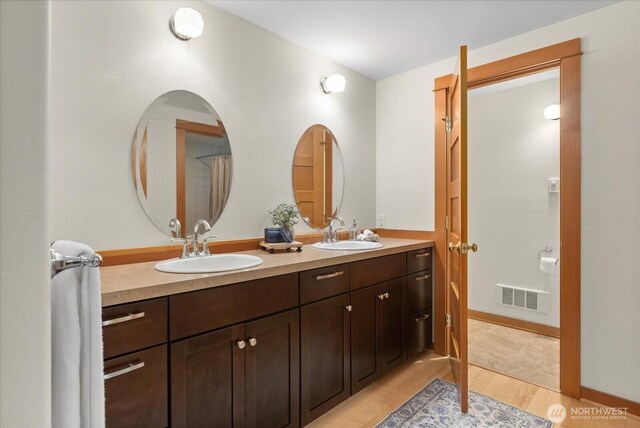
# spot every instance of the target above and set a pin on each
(548, 264)
(77, 367)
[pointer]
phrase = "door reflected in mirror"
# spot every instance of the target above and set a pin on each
(181, 161)
(318, 176)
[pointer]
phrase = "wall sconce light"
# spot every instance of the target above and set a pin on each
(552, 112)
(333, 83)
(186, 23)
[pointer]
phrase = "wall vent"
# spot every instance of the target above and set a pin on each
(521, 297)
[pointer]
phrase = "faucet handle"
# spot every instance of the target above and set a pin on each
(185, 245)
(205, 247)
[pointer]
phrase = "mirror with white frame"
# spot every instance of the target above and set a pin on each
(318, 176)
(181, 161)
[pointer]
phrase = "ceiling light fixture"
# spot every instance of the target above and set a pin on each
(333, 83)
(186, 23)
(552, 112)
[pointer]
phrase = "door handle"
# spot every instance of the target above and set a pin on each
(463, 247)
(128, 369)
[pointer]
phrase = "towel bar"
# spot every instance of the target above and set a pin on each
(60, 262)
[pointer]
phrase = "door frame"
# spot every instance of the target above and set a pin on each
(565, 56)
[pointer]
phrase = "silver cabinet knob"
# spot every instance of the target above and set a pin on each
(381, 296)
(253, 341)
(386, 295)
(241, 344)
(349, 308)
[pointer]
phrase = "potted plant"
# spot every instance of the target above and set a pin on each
(285, 216)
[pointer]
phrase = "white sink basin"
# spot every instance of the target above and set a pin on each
(209, 264)
(348, 245)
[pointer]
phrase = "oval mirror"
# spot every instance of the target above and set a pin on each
(181, 161)
(318, 176)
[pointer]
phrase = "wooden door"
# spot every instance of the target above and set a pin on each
(273, 371)
(394, 350)
(457, 227)
(366, 345)
(207, 380)
(325, 351)
(313, 175)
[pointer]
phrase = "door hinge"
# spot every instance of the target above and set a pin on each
(447, 124)
(447, 320)
(446, 222)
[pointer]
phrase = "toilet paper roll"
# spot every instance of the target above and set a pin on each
(548, 264)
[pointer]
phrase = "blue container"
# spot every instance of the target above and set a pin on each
(273, 235)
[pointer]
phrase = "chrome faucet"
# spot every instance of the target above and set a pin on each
(331, 235)
(176, 230)
(196, 228)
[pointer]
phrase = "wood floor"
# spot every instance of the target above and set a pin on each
(521, 354)
(375, 402)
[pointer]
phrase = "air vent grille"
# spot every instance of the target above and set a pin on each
(520, 298)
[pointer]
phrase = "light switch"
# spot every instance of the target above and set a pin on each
(554, 185)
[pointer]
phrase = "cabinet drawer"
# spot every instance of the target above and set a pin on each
(319, 284)
(419, 292)
(200, 311)
(136, 390)
(419, 332)
(419, 260)
(127, 328)
(380, 269)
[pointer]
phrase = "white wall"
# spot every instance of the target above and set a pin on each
(610, 274)
(110, 60)
(25, 328)
(514, 151)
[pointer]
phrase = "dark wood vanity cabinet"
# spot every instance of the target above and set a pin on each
(273, 352)
(243, 375)
(377, 336)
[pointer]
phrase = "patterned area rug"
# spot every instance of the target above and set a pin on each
(437, 406)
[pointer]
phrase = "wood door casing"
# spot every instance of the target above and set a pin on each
(272, 373)
(457, 232)
(207, 380)
(325, 355)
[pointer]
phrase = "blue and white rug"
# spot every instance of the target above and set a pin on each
(437, 406)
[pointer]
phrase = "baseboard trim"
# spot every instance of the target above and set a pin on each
(609, 400)
(529, 326)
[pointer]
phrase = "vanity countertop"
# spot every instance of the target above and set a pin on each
(140, 281)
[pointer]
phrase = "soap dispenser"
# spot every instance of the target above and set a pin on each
(353, 231)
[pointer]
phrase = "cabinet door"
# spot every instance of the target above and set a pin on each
(136, 389)
(365, 340)
(325, 350)
(273, 371)
(207, 380)
(394, 350)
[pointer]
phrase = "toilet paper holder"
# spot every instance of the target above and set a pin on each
(546, 250)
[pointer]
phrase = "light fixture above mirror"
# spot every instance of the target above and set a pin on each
(333, 83)
(186, 23)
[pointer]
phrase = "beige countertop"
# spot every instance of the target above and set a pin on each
(140, 281)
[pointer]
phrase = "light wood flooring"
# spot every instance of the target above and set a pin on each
(374, 403)
(521, 354)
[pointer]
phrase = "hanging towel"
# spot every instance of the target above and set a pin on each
(548, 264)
(77, 368)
